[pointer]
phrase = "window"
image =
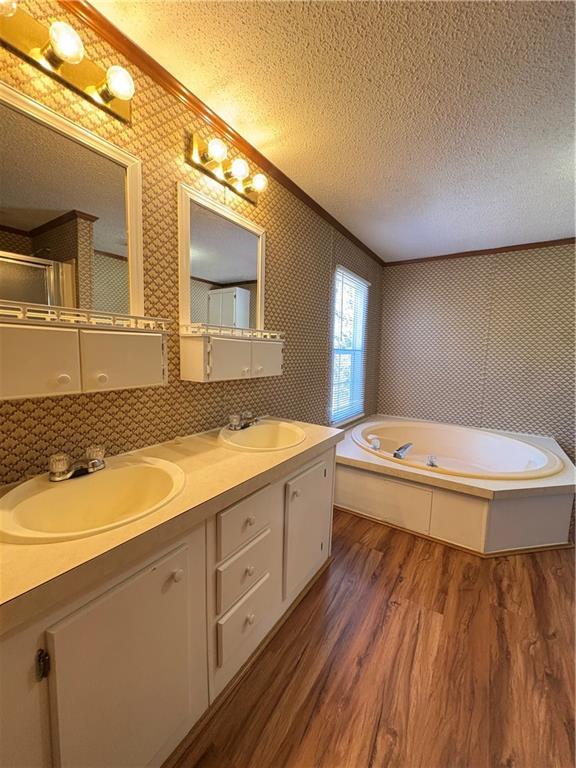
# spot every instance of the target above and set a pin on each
(348, 346)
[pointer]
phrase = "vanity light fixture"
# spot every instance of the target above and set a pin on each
(8, 7)
(211, 157)
(64, 46)
(59, 52)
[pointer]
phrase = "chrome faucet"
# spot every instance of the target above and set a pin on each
(242, 420)
(61, 467)
(401, 452)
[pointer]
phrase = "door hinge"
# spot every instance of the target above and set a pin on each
(42, 664)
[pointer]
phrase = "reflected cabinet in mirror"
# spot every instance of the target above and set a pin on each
(221, 265)
(70, 230)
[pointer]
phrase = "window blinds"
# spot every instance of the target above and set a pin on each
(348, 346)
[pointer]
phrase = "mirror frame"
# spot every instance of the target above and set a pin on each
(186, 195)
(133, 188)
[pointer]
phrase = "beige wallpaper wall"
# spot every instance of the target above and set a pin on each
(486, 341)
(302, 250)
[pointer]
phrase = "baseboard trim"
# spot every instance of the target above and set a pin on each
(484, 555)
(221, 699)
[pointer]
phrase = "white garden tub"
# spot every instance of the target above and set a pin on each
(452, 450)
(486, 491)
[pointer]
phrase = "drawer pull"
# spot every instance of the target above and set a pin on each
(177, 575)
(250, 570)
(251, 520)
(251, 618)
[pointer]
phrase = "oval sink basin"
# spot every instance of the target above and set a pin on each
(263, 436)
(39, 511)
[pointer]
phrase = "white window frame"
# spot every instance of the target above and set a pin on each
(339, 269)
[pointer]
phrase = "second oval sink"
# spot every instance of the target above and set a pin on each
(39, 511)
(263, 436)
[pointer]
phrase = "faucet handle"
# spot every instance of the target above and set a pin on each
(246, 415)
(58, 463)
(234, 420)
(95, 453)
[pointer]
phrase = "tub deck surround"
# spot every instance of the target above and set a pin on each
(216, 477)
(564, 482)
(487, 515)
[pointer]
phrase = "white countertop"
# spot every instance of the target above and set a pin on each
(351, 454)
(216, 477)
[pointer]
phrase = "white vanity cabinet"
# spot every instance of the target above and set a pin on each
(38, 361)
(218, 358)
(137, 657)
(127, 676)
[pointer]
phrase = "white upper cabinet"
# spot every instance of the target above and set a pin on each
(112, 360)
(267, 358)
(37, 362)
(229, 307)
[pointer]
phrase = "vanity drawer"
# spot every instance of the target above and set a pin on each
(238, 625)
(243, 521)
(242, 571)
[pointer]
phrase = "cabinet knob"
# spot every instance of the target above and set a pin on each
(296, 493)
(177, 575)
(64, 378)
(259, 368)
(250, 520)
(251, 618)
(102, 378)
(245, 371)
(250, 570)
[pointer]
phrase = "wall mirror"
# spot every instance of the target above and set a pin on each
(221, 264)
(70, 213)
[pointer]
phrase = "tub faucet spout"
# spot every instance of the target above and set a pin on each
(401, 452)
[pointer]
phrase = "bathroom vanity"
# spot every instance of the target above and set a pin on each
(114, 645)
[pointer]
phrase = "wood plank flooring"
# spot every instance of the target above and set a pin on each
(408, 654)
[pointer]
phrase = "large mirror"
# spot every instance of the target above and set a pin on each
(221, 265)
(70, 232)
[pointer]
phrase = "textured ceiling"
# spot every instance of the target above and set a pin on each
(425, 128)
(45, 174)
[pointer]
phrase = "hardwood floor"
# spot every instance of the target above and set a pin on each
(408, 654)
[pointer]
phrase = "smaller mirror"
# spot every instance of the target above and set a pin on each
(222, 263)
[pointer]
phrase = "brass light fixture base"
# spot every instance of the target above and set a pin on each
(196, 155)
(28, 38)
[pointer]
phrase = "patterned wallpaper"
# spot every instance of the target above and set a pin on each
(110, 286)
(486, 341)
(301, 252)
(12, 242)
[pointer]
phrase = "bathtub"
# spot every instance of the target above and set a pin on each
(486, 491)
(460, 451)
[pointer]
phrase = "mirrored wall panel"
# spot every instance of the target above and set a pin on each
(224, 270)
(63, 230)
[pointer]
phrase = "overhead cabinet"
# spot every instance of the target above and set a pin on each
(229, 306)
(43, 362)
(215, 358)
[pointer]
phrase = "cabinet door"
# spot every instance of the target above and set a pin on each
(129, 667)
(35, 362)
(215, 308)
(229, 359)
(267, 357)
(308, 515)
(121, 360)
(228, 316)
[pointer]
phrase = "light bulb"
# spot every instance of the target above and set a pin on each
(217, 150)
(119, 83)
(239, 168)
(8, 7)
(259, 182)
(66, 43)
